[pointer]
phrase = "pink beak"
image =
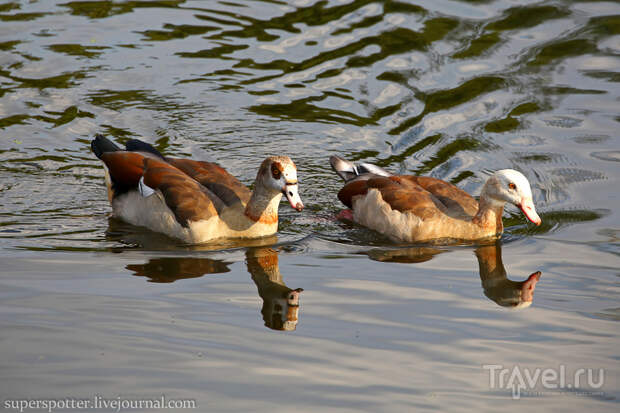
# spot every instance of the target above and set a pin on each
(527, 207)
(291, 193)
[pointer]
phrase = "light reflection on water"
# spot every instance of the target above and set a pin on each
(453, 90)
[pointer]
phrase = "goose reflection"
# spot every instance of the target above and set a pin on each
(495, 283)
(280, 308)
(169, 269)
(280, 303)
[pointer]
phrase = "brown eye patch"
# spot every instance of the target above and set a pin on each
(276, 171)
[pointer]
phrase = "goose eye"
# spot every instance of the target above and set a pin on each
(275, 172)
(512, 186)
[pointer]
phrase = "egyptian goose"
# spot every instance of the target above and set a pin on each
(416, 209)
(191, 200)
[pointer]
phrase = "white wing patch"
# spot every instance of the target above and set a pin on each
(144, 189)
(371, 168)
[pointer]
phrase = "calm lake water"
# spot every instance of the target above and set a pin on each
(91, 306)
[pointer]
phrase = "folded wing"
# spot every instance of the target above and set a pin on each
(455, 199)
(401, 194)
(186, 198)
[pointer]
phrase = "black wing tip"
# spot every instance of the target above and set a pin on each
(136, 145)
(101, 145)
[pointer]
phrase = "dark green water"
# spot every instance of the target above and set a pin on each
(452, 89)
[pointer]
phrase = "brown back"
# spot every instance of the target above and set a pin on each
(423, 196)
(215, 178)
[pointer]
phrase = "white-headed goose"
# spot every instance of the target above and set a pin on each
(416, 208)
(193, 201)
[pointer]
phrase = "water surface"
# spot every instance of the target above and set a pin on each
(455, 90)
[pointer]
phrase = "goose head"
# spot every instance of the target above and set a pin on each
(508, 185)
(278, 174)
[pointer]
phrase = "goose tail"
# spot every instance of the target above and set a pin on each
(349, 171)
(101, 145)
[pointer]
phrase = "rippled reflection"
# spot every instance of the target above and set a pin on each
(281, 305)
(495, 283)
(170, 269)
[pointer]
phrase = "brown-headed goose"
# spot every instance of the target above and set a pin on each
(417, 208)
(193, 201)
